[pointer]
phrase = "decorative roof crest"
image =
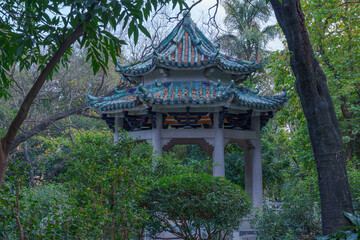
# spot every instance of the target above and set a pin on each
(187, 48)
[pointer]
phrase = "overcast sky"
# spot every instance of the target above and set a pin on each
(200, 14)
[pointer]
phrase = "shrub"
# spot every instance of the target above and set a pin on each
(26, 213)
(349, 232)
(298, 217)
(354, 181)
(195, 206)
(95, 197)
(108, 180)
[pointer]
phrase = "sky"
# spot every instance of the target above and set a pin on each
(200, 14)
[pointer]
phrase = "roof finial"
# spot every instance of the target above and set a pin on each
(141, 88)
(232, 84)
(186, 14)
(218, 83)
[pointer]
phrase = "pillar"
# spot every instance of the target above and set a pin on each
(119, 122)
(256, 165)
(248, 155)
(156, 135)
(219, 148)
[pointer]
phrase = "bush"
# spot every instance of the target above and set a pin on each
(354, 181)
(95, 197)
(298, 217)
(195, 206)
(350, 232)
(107, 181)
(26, 213)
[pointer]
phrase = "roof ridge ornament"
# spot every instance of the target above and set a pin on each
(158, 84)
(90, 97)
(256, 91)
(186, 14)
(185, 92)
(282, 95)
(232, 84)
(218, 83)
(119, 92)
(217, 46)
(141, 88)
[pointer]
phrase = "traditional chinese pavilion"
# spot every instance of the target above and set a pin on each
(187, 93)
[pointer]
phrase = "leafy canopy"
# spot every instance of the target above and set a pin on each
(198, 205)
(31, 32)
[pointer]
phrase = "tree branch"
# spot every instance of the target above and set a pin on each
(21, 115)
(44, 124)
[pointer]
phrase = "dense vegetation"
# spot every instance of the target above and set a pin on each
(106, 190)
(71, 181)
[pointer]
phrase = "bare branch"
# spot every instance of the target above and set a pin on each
(101, 84)
(44, 124)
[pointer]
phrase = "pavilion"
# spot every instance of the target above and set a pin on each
(188, 93)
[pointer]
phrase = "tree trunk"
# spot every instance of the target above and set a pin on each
(4, 160)
(23, 111)
(324, 131)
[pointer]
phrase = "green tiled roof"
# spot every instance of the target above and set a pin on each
(186, 47)
(186, 92)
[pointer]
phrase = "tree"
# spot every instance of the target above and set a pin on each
(195, 206)
(246, 39)
(41, 34)
(337, 50)
(324, 131)
(96, 195)
(61, 97)
(53, 109)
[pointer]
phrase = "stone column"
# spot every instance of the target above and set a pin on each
(257, 187)
(119, 122)
(156, 135)
(219, 148)
(248, 155)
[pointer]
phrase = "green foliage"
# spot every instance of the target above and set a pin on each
(234, 164)
(28, 211)
(347, 233)
(32, 31)
(96, 195)
(192, 156)
(243, 20)
(11, 212)
(276, 154)
(195, 206)
(354, 181)
(297, 218)
(276, 151)
(114, 175)
(336, 51)
(291, 117)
